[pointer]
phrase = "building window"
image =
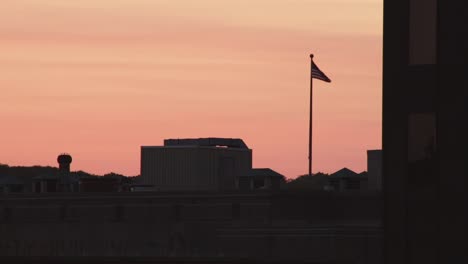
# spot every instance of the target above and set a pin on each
(422, 32)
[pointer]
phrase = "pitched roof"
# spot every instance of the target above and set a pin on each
(344, 172)
(263, 172)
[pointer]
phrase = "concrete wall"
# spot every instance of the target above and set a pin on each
(289, 226)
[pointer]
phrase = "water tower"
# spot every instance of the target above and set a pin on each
(65, 181)
(64, 161)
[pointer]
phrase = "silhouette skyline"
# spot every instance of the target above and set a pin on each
(196, 199)
(100, 79)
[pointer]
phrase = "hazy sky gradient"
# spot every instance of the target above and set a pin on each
(100, 78)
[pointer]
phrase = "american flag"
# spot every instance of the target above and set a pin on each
(318, 74)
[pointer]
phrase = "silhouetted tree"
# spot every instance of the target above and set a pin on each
(305, 182)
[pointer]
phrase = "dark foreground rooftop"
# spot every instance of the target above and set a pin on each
(146, 260)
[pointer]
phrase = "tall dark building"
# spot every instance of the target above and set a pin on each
(425, 131)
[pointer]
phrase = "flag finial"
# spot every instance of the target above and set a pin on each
(311, 56)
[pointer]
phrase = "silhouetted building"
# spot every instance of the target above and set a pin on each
(316, 182)
(10, 183)
(195, 164)
(374, 170)
(262, 178)
(347, 180)
(45, 183)
(425, 131)
(62, 181)
(99, 184)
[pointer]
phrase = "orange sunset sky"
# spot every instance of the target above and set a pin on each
(100, 78)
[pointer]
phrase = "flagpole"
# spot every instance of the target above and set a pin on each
(310, 118)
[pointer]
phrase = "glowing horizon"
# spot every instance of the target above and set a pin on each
(99, 79)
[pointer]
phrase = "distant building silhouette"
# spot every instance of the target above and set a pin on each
(62, 181)
(425, 131)
(195, 164)
(100, 184)
(261, 178)
(9, 183)
(344, 180)
(245, 214)
(316, 182)
(203, 164)
(347, 180)
(45, 183)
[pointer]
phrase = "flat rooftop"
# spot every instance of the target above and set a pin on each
(232, 143)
